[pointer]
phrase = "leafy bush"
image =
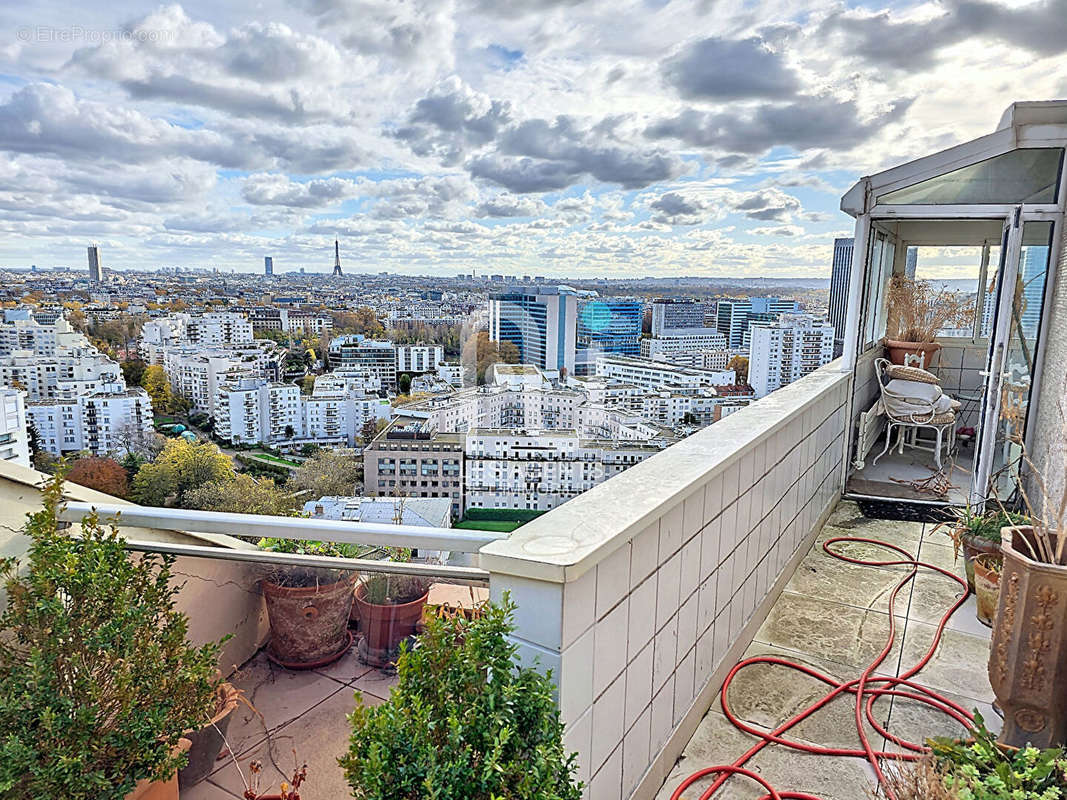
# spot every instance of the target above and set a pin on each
(981, 770)
(97, 680)
(464, 722)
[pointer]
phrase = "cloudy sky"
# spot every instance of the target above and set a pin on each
(608, 137)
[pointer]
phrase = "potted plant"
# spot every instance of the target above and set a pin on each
(206, 743)
(465, 719)
(980, 768)
(974, 533)
(987, 568)
(917, 311)
(97, 679)
(308, 607)
(1028, 653)
(390, 607)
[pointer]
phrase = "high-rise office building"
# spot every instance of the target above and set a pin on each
(674, 316)
(839, 278)
(787, 350)
(733, 316)
(96, 269)
(607, 325)
(541, 323)
(268, 265)
(610, 325)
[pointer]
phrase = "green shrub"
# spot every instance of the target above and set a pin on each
(97, 680)
(981, 770)
(463, 722)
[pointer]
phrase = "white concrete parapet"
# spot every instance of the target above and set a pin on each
(639, 593)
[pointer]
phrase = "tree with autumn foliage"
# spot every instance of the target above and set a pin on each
(102, 474)
(739, 364)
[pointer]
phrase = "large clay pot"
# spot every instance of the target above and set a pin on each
(208, 741)
(159, 790)
(384, 627)
(986, 587)
(974, 546)
(897, 350)
(308, 624)
(1028, 654)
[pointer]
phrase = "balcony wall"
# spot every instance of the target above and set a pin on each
(640, 593)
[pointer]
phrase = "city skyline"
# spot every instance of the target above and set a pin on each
(525, 138)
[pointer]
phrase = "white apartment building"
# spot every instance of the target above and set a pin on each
(212, 329)
(700, 359)
(419, 358)
(50, 360)
(252, 410)
(14, 442)
(451, 374)
(196, 372)
(541, 469)
(110, 421)
(355, 351)
(675, 344)
(654, 374)
(787, 350)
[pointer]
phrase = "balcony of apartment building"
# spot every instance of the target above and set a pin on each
(735, 546)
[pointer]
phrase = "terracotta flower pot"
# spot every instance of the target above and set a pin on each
(974, 546)
(207, 742)
(897, 350)
(159, 790)
(308, 624)
(1028, 655)
(986, 587)
(384, 627)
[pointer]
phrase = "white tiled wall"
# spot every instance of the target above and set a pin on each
(637, 636)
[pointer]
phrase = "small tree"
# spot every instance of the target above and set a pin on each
(103, 474)
(180, 467)
(154, 381)
(739, 364)
(97, 680)
(328, 472)
(464, 722)
(242, 494)
(404, 383)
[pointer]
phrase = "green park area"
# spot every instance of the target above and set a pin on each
(501, 520)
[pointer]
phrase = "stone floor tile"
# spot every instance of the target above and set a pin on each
(830, 631)
(855, 524)
(376, 683)
(959, 663)
(769, 694)
(717, 742)
(941, 555)
(206, 790)
(347, 669)
(916, 721)
(824, 577)
(278, 697)
(318, 737)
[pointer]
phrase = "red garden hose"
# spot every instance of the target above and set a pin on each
(866, 689)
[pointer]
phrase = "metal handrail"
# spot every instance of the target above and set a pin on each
(256, 525)
(460, 575)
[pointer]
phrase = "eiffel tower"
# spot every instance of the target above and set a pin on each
(336, 258)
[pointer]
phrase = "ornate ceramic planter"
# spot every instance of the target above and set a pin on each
(1028, 655)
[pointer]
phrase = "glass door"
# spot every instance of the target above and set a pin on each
(1015, 329)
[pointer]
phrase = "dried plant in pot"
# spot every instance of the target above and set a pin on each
(974, 533)
(390, 607)
(917, 311)
(308, 607)
(1028, 656)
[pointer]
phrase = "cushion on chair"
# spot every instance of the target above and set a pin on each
(942, 419)
(896, 371)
